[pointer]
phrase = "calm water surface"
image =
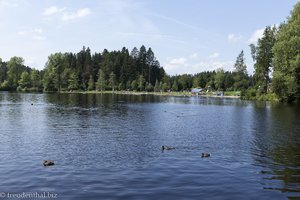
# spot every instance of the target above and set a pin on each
(109, 147)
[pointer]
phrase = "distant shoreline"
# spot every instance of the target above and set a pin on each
(176, 94)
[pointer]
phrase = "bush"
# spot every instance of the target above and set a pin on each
(5, 86)
(253, 94)
(249, 94)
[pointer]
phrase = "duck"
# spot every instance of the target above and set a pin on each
(205, 155)
(48, 163)
(167, 148)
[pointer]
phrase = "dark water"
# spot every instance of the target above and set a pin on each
(108, 147)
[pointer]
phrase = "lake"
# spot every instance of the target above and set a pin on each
(109, 147)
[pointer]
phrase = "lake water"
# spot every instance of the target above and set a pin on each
(109, 147)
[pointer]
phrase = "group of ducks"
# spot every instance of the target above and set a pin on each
(203, 155)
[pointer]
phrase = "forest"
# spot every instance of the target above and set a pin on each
(117, 70)
(276, 57)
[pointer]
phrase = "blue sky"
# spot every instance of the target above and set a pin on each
(187, 36)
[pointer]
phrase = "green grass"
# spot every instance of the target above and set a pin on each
(232, 93)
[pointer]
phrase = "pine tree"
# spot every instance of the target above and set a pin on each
(240, 72)
(157, 86)
(73, 83)
(91, 83)
(101, 82)
(112, 81)
(175, 86)
(263, 55)
(141, 83)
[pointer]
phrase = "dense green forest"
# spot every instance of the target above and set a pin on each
(276, 76)
(117, 70)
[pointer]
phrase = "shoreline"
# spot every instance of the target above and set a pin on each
(174, 94)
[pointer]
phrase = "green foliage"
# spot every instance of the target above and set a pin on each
(15, 68)
(220, 79)
(121, 86)
(253, 94)
(141, 83)
(249, 94)
(35, 79)
(263, 55)
(240, 66)
(196, 82)
(240, 73)
(25, 81)
(54, 71)
(286, 79)
(157, 86)
(165, 87)
(101, 82)
(149, 87)
(73, 82)
(134, 85)
(175, 86)
(3, 71)
(48, 81)
(112, 80)
(185, 82)
(5, 85)
(91, 83)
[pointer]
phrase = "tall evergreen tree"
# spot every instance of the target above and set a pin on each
(263, 55)
(141, 83)
(112, 81)
(101, 82)
(91, 83)
(73, 81)
(240, 72)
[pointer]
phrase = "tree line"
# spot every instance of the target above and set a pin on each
(138, 70)
(116, 70)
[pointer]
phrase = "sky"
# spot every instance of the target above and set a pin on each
(187, 36)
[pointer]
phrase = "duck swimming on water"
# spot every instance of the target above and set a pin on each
(167, 148)
(205, 155)
(48, 163)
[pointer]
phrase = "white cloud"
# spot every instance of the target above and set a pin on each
(53, 10)
(178, 61)
(38, 38)
(256, 35)
(232, 38)
(22, 32)
(78, 14)
(190, 66)
(38, 30)
(34, 34)
(30, 32)
(214, 55)
(194, 55)
(11, 3)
